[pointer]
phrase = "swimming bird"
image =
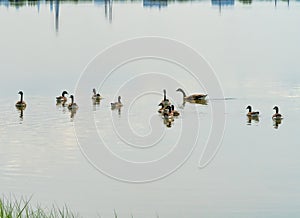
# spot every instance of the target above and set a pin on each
(252, 113)
(174, 112)
(117, 104)
(191, 98)
(21, 104)
(276, 116)
(96, 96)
(161, 109)
(62, 98)
(72, 105)
(167, 113)
(165, 101)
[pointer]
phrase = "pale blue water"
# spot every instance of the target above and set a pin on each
(254, 50)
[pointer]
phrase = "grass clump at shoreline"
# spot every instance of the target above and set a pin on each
(12, 208)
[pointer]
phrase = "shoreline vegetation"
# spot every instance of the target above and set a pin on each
(14, 208)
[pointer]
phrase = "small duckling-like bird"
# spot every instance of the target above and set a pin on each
(72, 105)
(277, 115)
(21, 104)
(193, 97)
(117, 104)
(62, 98)
(165, 101)
(174, 112)
(96, 96)
(252, 113)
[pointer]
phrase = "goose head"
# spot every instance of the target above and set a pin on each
(249, 108)
(64, 93)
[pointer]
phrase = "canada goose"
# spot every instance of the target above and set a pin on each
(21, 104)
(252, 113)
(117, 104)
(72, 105)
(161, 109)
(276, 116)
(174, 112)
(96, 96)
(62, 98)
(191, 98)
(167, 113)
(165, 101)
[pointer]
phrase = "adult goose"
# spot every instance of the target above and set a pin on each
(72, 105)
(192, 98)
(117, 104)
(252, 113)
(96, 96)
(167, 113)
(277, 115)
(21, 104)
(160, 110)
(62, 98)
(174, 112)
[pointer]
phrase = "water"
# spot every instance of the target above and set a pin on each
(254, 51)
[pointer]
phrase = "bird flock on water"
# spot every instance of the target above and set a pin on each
(167, 109)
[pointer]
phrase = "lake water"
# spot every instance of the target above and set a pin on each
(253, 47)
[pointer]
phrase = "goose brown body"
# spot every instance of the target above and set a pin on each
(193, 97)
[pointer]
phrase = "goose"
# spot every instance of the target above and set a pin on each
(21, 104)
(161, 109)
(72, 105)
(165, 101)
(191, 98)
(167, 113)
(117, 104)
(276, 116)
(62, 98)
(174, 112)
(252, 113)
(96, 96)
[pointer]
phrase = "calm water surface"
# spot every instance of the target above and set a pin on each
(254, 50)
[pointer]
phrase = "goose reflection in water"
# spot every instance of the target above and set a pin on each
(96, 105)
(72, 113)
(20, 110)
(250, 119)
(276, 123)
(117, 109)
(202, 101)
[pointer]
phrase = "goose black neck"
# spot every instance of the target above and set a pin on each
(21, 97)
(165, 95)
(184, 95)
